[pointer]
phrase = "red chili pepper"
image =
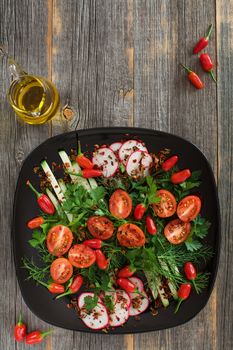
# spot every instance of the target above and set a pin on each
(169, 163)
(44, 202)
(193, 78)
(150, 225)
(74, 287)
(36, 222)
(207, 65)
(180, 176)
(83, 161)
(126, 271)
(20, 330)
(139, 211)
(101, 260)
(190, 273)
(203, 42)
(36, 337)
(88, 173)
(94, 243)
(183, 294)
(126, 284)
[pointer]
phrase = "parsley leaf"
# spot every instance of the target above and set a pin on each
(109, 302)
(97, 194)
(199, 230)
(38, 238)
(90, 302)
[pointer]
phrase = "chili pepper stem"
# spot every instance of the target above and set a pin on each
(63, 294)
(209, 32)
(188, 70)
(178, 305)
(79, 149)
(212, 76)
(20, 318)
(33, 188)
(44, 334)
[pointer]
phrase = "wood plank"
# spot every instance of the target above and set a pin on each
(19, 31)
(224, 41)
(92, 51)
(164, 35)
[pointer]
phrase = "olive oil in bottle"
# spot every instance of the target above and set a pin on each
(34, 99)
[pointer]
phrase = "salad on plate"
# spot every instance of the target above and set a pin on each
(119, 233)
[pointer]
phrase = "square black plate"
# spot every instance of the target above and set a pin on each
(37, 298)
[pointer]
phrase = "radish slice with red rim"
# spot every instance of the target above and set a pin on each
(97, 318)
(138, 283)
(119, 315)
(112, 295)
(138, 163)
(139, 303)
(81, 298)
(105, 159)
(123, 297)
(115, 146)
(128, 147)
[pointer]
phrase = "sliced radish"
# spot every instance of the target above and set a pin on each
(123, 297)
(128, 148)
(113, 296)
(106, 160)
(138, 163)
(97, 318)
(138, 283)
(81, 298)
(115, 146)
(119, 315)
(139, 303)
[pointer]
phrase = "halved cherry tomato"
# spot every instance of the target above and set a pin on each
(167, 205)
(139, 211)
(180, 176)
(100, 227)
(130, 235)
(126, 284)
(35, 222)
(81, 256)
(188, 208)
(61, 270)
(177, 231)
(126, 271)
(59, 240)
(120, 204)
(101, 260)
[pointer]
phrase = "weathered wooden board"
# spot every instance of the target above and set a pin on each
(117, 63)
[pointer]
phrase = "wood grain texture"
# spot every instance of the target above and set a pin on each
(117, 63)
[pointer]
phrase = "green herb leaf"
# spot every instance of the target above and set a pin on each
(90, 302)
(109, 302)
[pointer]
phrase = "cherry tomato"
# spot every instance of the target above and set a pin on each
(56, 288)
(126, 284)
(126, 271)
(180, 176)
(61, 270)
(120, 204)
(20, 330)
(167, 205)
(139, 211)
(101, 260)
(188, 208)
(100, 227)
(81, 256)
(190, 271)
(36, 337)
(130, 235)
(36, 222)
(94, 243)
(150, 225)
(169, 163)
(183, 293)
(177, 231)
(59, 240)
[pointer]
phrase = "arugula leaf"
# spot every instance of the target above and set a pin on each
(90, 302)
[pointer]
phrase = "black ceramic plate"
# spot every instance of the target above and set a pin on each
(37, 298)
